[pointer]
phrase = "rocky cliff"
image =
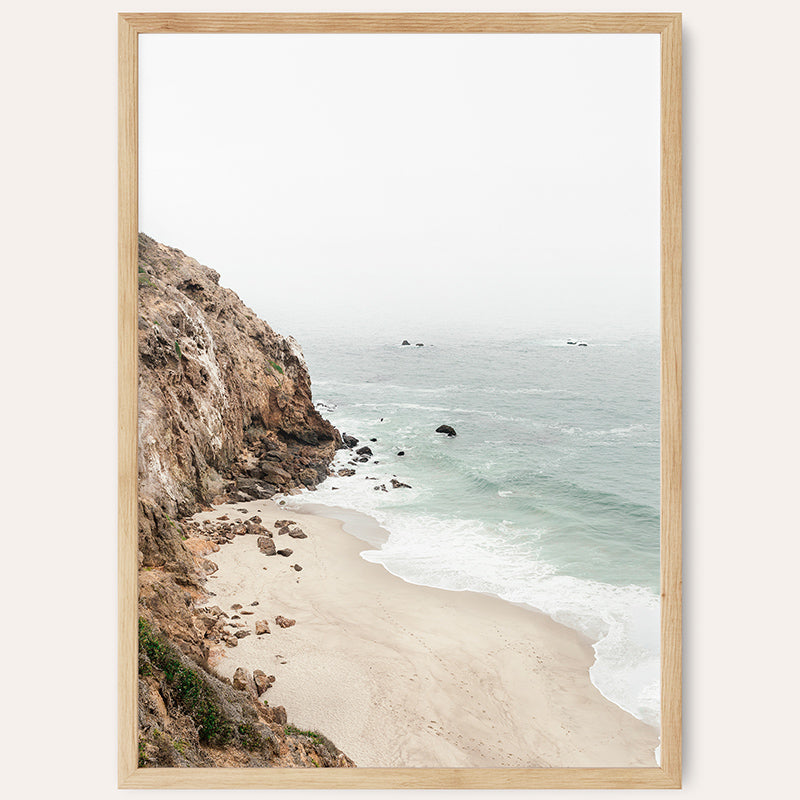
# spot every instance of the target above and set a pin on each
(225, 415)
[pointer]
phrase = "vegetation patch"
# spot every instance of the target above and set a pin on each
(291, 729)
(277, 367)
(250, 737)
(188, 687)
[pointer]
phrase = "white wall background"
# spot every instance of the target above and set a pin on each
(58, 331)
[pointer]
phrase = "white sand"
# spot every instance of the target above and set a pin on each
(399, 675)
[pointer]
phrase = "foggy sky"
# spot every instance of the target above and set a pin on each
(411, 183)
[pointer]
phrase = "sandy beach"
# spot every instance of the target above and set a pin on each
(399, 675)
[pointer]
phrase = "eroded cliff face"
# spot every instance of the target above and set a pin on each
(218, 390)
(225, 415)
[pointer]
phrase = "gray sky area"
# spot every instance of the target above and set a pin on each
(411, 183)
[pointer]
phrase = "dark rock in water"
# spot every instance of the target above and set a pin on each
(419, 344)
(364, 459)
(286, 552)
(582, 344)
(346, 473)
(373, 440)
(350, 441)
(380, 488)
(364, 451)
(401, 452)
(396, 484)
(446, 429)
(405, 342)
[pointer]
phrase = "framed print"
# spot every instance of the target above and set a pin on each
(400, 400)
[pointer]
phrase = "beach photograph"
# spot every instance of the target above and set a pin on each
(399, 401)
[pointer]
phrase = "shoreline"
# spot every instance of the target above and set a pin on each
(403, 675)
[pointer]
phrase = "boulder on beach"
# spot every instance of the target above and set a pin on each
(262, 626)
(298, 533)
(284, 622)
(446, 429)
(266, 545)
(262, 680)
(286, 552)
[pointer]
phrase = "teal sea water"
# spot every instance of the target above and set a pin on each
(548, 495)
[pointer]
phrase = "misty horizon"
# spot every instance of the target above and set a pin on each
(400, 185)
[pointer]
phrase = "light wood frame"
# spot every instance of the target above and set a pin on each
(668, 26)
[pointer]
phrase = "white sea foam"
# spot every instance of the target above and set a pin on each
(562, 443)
(464, 554)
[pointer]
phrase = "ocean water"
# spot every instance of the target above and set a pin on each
(548, 495)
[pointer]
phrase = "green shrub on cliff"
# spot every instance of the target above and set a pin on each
(187, 686)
